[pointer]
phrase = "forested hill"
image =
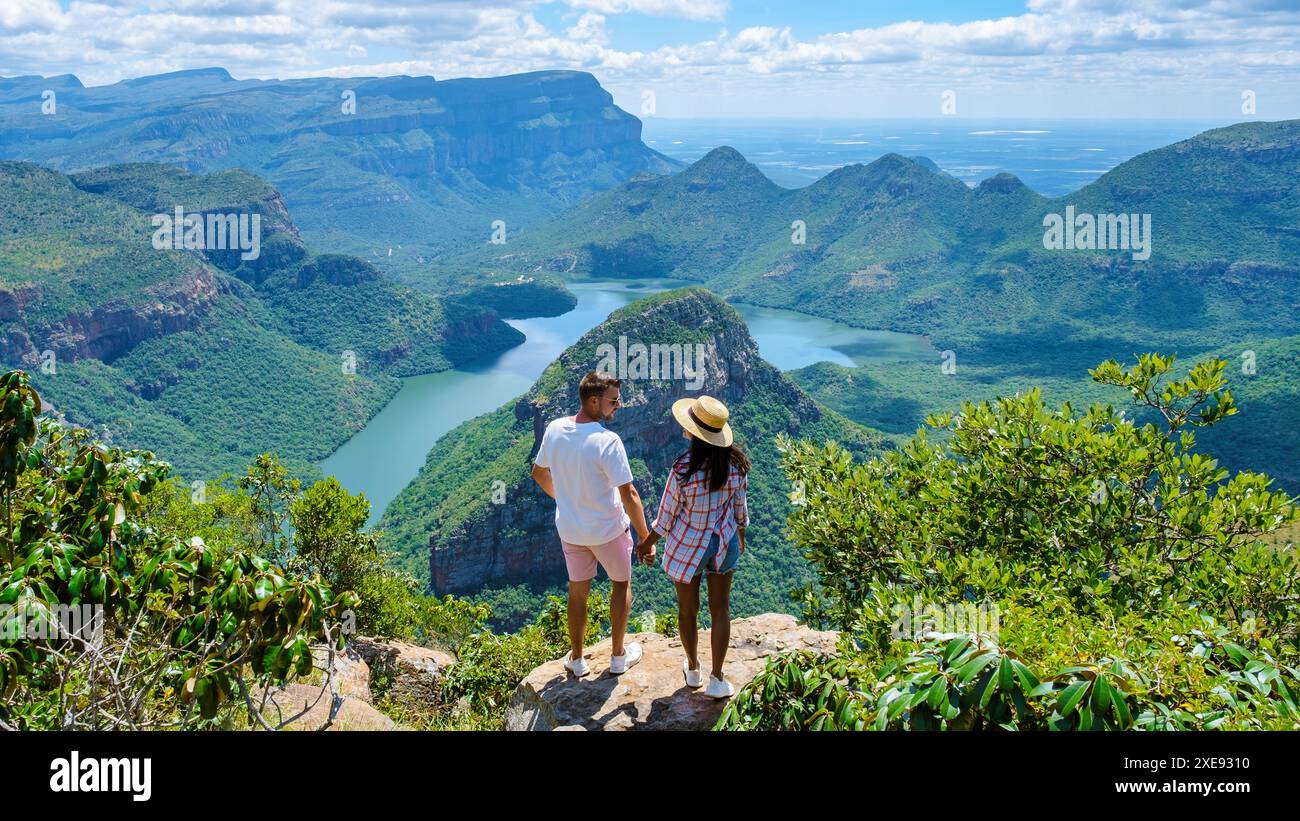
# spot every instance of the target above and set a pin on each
(899, 244)
(210, 356)
(474, 517)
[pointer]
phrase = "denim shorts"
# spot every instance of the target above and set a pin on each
(728, 562)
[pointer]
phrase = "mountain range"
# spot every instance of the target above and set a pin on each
(396, 170)
(898, 244)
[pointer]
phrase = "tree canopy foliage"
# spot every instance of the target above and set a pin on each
(1127, 574)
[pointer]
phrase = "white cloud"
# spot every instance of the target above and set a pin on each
(25, 15)
(689, 9)
(1136, 49)
(589, 29)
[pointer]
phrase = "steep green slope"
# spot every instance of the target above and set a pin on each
(202, 353)
(213, 397)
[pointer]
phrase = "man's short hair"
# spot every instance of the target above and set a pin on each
(596, 383)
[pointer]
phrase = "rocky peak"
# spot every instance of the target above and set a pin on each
(891, 174)
(1003, 183)
(717, 354)
(722, 158)
(724, 167)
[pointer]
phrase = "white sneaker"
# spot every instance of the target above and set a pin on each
(576, 666)
(631, 655)
(719, 688)
(694, 678)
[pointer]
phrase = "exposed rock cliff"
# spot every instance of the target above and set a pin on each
(105, 331)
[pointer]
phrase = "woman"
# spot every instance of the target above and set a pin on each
(702, 518)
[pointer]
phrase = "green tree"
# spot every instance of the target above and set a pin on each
(272, 491)
(328, 524)
(176, 635)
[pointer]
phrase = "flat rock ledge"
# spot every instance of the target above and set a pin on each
(653, 694)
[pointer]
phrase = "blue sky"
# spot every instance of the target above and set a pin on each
(743, 58)
(646, 32)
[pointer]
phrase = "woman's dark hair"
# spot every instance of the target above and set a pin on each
(715, 461)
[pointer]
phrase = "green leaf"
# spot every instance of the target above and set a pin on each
(1070, 697)
(1028, 681)
(936, 693)
(1101, 695)
(953, 649)
(988, 685)
(971, 668)
(77, 581)
(262, 589)
(1044, 689)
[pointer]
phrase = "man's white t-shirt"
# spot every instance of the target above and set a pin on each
(588, 464)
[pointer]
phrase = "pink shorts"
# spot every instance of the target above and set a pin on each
(615, 556)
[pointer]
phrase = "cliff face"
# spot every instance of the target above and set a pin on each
(476, 124)
(75, 309)
(105, 331)
(516, 540)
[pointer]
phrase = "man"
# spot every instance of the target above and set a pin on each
(583, 467)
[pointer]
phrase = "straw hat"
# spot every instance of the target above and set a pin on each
(705, 418)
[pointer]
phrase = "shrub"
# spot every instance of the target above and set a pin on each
(1133, 584)
(489, 667)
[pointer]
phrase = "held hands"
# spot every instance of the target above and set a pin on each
(645, 551)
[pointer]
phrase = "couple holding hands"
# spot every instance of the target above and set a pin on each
(702, 515)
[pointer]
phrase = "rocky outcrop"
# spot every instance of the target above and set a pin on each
(653, 695)
(407, 676)
(352, 711)
(351, 671)
(412, 673)
(105, 331)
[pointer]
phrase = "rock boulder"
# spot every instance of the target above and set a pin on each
(416, 672)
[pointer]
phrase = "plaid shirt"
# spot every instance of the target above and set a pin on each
(689, 514)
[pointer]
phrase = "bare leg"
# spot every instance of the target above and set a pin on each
(620, 604)
(720, 613)
(578, 592)
(688, 609)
